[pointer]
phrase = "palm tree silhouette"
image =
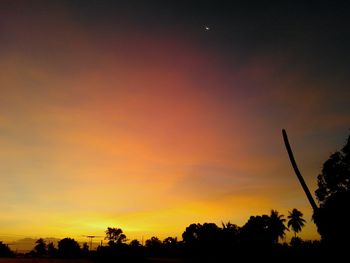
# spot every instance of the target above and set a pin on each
(296, 221)
(277, 227)
(297, 172)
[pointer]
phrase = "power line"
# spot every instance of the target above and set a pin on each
(91, 237)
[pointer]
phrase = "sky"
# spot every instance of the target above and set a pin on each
(131, 114)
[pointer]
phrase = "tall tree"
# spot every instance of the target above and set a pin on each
(297, 172)
(40, 247)
(296, 221)
(333, 194)
(276, 225)
(115, 236)
(335, 176)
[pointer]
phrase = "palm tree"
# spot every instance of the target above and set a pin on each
(296, 221)
(276, 225)
(297, 172)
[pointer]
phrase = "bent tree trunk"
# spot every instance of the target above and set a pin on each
(297, 172)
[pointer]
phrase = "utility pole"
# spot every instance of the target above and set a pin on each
(90, 238)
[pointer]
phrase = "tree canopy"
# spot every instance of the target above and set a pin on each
(296, 221)
(115, 236)
(335, 176)
(68, 248)
(40, 247)
(5, 251)
(264, 230)
(333, 194)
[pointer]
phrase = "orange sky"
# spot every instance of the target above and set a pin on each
(151, 131)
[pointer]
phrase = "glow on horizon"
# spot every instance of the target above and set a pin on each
(149, 160)
(151, 134)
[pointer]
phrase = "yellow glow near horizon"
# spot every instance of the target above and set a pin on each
(150, 133)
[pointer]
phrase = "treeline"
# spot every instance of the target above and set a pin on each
(260, 235)
(5, 251)
(257, 239)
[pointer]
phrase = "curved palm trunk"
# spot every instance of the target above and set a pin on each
(297, 172)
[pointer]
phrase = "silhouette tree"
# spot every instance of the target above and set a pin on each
(276, 226)
(5, 251)
(190, 235)
(170, 241)
(231, 228)
(40, 247)
(135, 243)
(297, 172)
(85, 249)
(333, 193)
(263, 230)
(209, 235)
(171, 247)
(136, 251)
(335, 176)
(256, 231)
(296, 221)
(68, 248)
(206, 235)
(51, 250)
(115, 236)
(296, 241)
(230, 234)
(153, 243)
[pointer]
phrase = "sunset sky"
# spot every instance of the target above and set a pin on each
(131, 114)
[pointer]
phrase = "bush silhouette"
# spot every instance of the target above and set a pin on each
(68, 248)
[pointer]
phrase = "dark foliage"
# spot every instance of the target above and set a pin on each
(190, 236)
(333, 193)
(276, 226)
(230, 235)
(154, 246)
(296, 221)
(68, 248)
(40, 248)
(52, 250)
(115, 236)
(135, 243)
(256, 232)
(120, 252)
(255, 241)
(5, 251)
(335, 176)
(153, 243)
(263, 230)
(332, 220)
